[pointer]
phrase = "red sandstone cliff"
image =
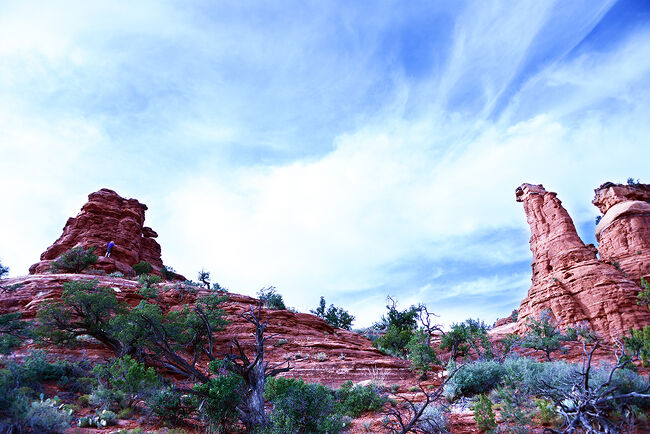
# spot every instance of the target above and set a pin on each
(107, 217)
(569, 279)
(623, 232)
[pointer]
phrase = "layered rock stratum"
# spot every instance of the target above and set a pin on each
(568, 277)
(107, 217)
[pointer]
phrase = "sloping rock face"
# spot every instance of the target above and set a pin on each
(568, 278)
(316, 351)
(623, 232)
(107, 217)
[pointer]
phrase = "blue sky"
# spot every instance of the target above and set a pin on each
(346, 149)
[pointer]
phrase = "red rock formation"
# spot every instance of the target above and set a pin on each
(623, 233)
(568, 278)
(107, 217)
(299, 336)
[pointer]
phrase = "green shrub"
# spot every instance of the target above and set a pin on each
(74, 260)
(643, 297)
(142, 267)
(148, 281)
(118, 274)
(44, 416)
(222, 395)
(543, 334)
(394, 341)
(434, 419)
(483, 414)
(352, 400)
(545, 412)
(168, 273)
(421, 353)
(301, 407)
(123, 381)
(474, 378)
(168, 404)
(335, 316)
(12, 331)
(271, 299)
(468, 335)
(638, 344)
(204, 278)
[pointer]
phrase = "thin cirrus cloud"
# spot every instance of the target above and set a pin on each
(328, 149)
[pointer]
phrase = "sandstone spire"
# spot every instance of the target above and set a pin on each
(568, 278)
(107, 217)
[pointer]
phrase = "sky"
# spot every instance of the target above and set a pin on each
(352, 150)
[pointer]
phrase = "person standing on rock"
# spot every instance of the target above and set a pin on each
(108, 249)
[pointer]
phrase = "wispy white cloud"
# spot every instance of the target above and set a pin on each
(308, 147)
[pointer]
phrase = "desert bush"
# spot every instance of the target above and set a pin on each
(352, 400)
(168, 404)
(301, 407)
(335, 316)
(221, 396)
(638, 344)
(543, 334)
(468, 335)
(45, 417)
(168, 273)
(12, 331)
(474, 378)
(101, 419)
(142, 267)
(271, 298)
(148, 282)
(118, 274)
(74, 260)
(643, 297)
(124, 381)
(483, 413)
(421, 353)
(434, 419)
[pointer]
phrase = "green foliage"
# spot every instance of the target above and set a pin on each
(545, 411)
(643, 297)
(204, 278)
(466, 336)
(83, 309)
(638, 344)
(632, 182)
(474, 378)
(124, 381)
(222, 395)
(336, 316)
(352, 400)
(421, 353)
(483, 413)
(271, 298)
(399, 326)
(149, 290)
(169, 405)
(74, 260)
(44, 416)
(598, 219)
(301, 407)
(516, 410)
(12, 331)
(543, 334)
(117, 274)
(168, 273)
(142, 267)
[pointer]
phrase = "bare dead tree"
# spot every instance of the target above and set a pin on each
(254, 371)
(584, 406)
(409, 415)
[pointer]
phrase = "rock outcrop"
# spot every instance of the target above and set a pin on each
(107, 217)
(568, 278)
(623, 232)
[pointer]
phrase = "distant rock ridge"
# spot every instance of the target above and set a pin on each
(107, 217)
(569, 278)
